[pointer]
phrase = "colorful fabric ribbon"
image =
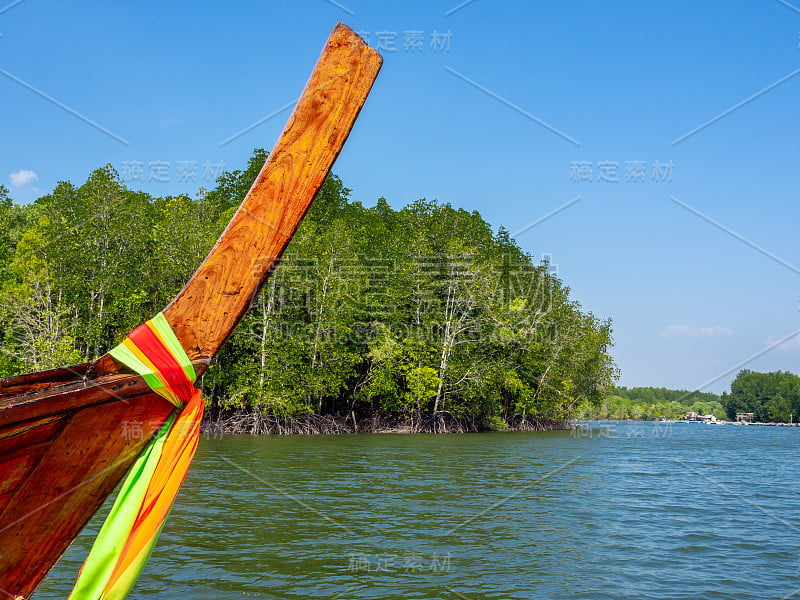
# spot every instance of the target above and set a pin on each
(131, 529)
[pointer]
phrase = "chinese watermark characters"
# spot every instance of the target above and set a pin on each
(160, 171)
(629, 171)
(410, 562)
(413, 41)
(135, 431)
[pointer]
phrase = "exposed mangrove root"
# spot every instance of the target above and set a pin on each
(529, 423)
(256, 423)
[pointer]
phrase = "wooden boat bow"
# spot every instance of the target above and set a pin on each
(63, 446)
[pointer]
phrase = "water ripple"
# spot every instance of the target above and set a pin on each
(622, 510)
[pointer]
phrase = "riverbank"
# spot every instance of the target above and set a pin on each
(759, 424)
(774, 424)
(254, 423)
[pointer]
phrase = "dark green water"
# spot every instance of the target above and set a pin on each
(618, 510)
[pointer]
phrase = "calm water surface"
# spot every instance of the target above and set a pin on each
(616, 510)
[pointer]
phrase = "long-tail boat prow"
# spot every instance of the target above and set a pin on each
(63, 448)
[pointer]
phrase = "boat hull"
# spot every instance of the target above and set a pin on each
(56, 471)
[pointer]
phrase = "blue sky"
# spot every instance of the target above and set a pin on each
(688, 243)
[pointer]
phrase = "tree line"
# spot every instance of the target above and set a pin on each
(423, 316)
(651, 403)
(771, 397)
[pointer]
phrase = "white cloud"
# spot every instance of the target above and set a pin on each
(689, 331)
(23, 178)
(790, 345)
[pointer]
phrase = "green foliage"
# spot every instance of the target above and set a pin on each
(6, 207)
(496, 423)
(771, 397)
(417, 312)
(421, 385)
(649, 403)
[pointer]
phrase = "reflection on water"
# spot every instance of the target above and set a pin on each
(615, 510)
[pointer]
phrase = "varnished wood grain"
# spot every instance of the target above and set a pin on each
(206, 311)
(64, 398)
(69, 481)
(41, 380)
